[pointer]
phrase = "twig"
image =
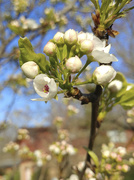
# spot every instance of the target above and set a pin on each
(95, 108)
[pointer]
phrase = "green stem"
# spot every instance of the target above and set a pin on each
(84, 67)
(98, 6)
(82, 83)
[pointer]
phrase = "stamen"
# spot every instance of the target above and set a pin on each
(46, 89)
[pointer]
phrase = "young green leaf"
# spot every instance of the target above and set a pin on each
(94, 158)
(27, 54)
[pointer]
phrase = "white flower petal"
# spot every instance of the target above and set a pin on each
(103, 57)
(39, 99)
(107, 48)
(44, 87)
(98, 44)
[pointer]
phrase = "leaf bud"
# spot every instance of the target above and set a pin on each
(70, 37)
(30, 69)
(50, 49)
(74, 64)
(104, 74)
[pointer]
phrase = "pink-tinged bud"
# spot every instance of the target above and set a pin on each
(81, 37)
(104, 74)
(70, 37)
(59, 38)
(50, 49)
(74, 64)
(30, 69)
(118, 158)
(86, 46)
(108, 167)
(119, 167)
(113, 155)
(115, 86)
(125, 168)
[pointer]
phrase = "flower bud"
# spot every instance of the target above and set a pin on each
(70, 37)
(30, 69)
(104, 74)
(74, 64)
(59, 38)
(125, 168)
(86, 46)
(81, 37)
(50, 49)
(115, 86)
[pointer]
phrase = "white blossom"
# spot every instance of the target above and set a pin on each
(44, 87)
(104, 74)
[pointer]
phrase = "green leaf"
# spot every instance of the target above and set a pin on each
(94, 2)
(64, 53)
(127, 100)
(59, 54)
(27, 54)
(94, 157)
(17, 30)
(105, 5)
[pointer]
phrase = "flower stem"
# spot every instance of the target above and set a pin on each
(82, 83)
(84, 67)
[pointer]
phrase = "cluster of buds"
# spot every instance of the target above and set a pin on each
(20, 5)
(58, 121)
(23, 134)
(25, 153)
(72, 110)
(40, 157)
(25, 24)
(61, 149)
(130, 114)
(84, 44)
(114, 159)
(52, 18)
(63, 134)
(64, 52)
(11, 147)
(28, 24)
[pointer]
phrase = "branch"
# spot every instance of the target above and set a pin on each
(84, 98)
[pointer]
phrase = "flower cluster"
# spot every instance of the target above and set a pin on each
(61, 149)
(25, 24)
(58, 121)
(20, 5)
(64, 52)
(72, 110)
(40, 157)
(25, 153)
(113, 159)
(11, 147)
(23, 134)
